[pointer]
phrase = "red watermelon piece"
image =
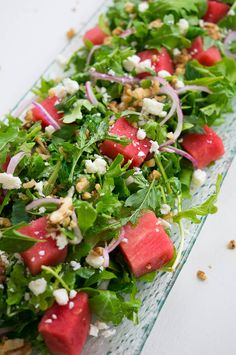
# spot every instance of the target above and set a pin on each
(43, 253)
(163, 61)
(95, 35)
(49, 105)
(209, 57)
(135, 151)
(216, 11)
(196, 48)
(205, 148)
(68, 329)
(148, 247)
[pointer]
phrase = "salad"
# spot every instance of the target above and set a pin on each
(93, 179)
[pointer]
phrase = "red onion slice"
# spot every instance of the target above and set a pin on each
(14, 162)
(90, 94)
(228, 40)
(47, 116)
(91, 53)
(115, 242)
(127, 33)
(193, 88)
(42, 201)
(113, 78)
(182, 153)
(76, 229)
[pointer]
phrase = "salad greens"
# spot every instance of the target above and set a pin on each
(64, 163)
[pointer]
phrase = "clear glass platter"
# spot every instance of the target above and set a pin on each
(130, 339)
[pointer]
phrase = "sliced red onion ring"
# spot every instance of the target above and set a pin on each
(228, 40)
(76, 229)
(127, 33)
(14, 162)
(91, 53)
(90, 94)
(113, 78)
(115, 242)
(182, 153)
(193, 88)
(42, 201)
(106, 256)
(46, 115)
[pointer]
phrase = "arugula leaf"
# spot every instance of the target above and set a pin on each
(76, 113)
(18, 213)
(42, 90)
(16, 285)
(86, 215)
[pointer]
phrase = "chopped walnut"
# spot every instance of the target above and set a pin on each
(5, 222)
(82, 184)
(201, 275)
(181, 60)
(15, 347)
(155, 175)
(231, 244)
(70, 33)
(29, 184)
(129, 7)
(113, 106)
(42, 146)
(213, 30)
(60, 215)
(117, 31)
(86, 196)
(107, 40)
(155, 24)
(150, 163)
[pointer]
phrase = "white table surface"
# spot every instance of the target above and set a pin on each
(198, 318)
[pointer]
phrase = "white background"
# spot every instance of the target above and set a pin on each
(198, 318)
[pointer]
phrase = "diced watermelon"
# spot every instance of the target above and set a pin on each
(48, 104)
(209, 57)
(163, 61)
(205, 148)
(43, 253)
(95, 35)
(216, 11)
(135, 151)
(148, 246)
(196, 48)
(68, 329)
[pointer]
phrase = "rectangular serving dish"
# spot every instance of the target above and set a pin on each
(130, 339)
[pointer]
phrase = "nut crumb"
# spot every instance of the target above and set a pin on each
(231, 244)
(70, 33)
(201, 275)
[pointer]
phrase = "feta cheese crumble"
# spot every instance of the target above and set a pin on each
(93, 330)
(38, 186)
(49, 130)
(154, 147)
(163, 74)
(143, 6)
(97, 166)
(61, 241)
(71, 86)
(143, 66)
(183, 26)
(61, 296)
(199, 177)
(75, 265)
(165, 209)
(176, 52)
(72, 294)
(37, 287)
(131, 62)
(58, 91)
(10, 182)
(152, 106)
(95, 260)
(179, 84)
(141, 134)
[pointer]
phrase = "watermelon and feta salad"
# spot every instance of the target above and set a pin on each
(94, 177)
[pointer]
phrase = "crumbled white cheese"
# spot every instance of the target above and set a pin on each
(96, 261)
(144, 66)
(165, 209)
(38, 286)
(93, 330)
(58, 91)
(176, 52)
(61, 241)
(42, 252)
(101, 325)
(61, 296)
(129, 180)
(75, 265)
(109, 333)
(152, 106)
(49, 130)
(54, 316)
(201, 23)
(111, 72)
(42, 210)
(97, 166)
(199, 177)
(39, 187)
(10, 182)
(71, 86)
(163, 114)
(163, 74)
(71, 305)
(179, 84)
(61, 60)
(48, 321)
(183, 26)
(143, 6)
(141, 154)
(164, 223)
(154, 147)
(72, 294)
(231, 12)
(141, 134)
(131, 62)
(26, 296)
(4, 257)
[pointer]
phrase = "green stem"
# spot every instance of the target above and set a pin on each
(33, 133)
(163, 173)
(52, 272)
(49, 185)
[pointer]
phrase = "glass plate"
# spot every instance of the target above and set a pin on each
(130, 339)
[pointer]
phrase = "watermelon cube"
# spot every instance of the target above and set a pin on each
(65, 328)
(148, 247)
(196, 48)
(95, 35)
(216, 11)
(205, 148)
(161, 60)
(43, 253)
(136, 151)
(49, 105)
(209, 57)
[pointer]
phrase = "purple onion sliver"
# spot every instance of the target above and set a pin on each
(127, 33)
(90, 94)
(193, 88)
(182, 153)
(113, 78)
(76, 230)
(228, 40)
(42, 201)
(46, 115)
(91, 53)
(14, 162)
(115, 242)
